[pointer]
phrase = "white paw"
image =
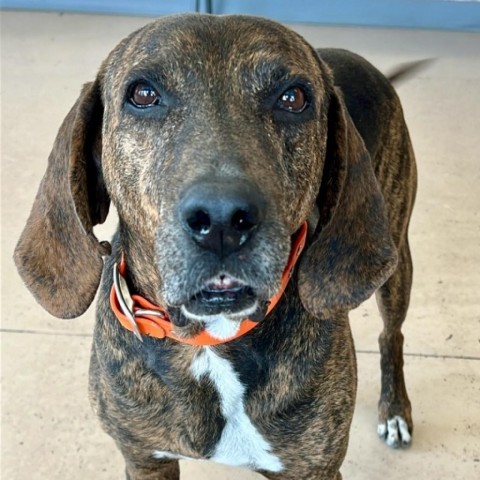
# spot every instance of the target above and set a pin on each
(395, 432)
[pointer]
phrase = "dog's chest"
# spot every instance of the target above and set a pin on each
(240, 443)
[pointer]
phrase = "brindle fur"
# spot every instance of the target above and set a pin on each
(346, 165)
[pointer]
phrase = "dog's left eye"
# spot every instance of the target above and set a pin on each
(293, 100)
(143, 95)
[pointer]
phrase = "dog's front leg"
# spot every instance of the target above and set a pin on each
(162, 471)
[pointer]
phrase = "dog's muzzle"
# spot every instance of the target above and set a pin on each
(142, 317)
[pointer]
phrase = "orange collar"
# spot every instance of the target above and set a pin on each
(142, 317)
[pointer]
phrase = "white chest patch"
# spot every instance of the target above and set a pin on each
(240, 445)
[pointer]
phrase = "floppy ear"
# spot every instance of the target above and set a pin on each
(58, 256)
(352, 253)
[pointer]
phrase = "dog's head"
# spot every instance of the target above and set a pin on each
(215, 138)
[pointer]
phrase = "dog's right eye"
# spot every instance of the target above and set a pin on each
(293, 100)
(143, 95)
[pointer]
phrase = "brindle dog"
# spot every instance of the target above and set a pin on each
(216, 138)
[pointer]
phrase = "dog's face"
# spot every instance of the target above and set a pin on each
(215, 137)
(212, 154)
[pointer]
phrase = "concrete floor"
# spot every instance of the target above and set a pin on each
(48, 429)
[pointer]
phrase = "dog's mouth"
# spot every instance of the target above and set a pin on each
(222, 295)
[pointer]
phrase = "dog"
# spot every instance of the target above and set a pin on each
(264, 189)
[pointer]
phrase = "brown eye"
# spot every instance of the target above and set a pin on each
(143, 95)
(293, 100)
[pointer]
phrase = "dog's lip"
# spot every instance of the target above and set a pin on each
(223, 283)
(224, 296)
(221, 294)
(222, 289)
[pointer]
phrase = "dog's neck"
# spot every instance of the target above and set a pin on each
(142, 317)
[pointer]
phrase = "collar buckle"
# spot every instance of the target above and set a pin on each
(125, 299)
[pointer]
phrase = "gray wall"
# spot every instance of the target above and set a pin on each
(443, 14)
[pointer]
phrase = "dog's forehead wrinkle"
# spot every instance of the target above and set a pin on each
(194, 48)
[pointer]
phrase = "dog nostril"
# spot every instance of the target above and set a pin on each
(199, 222)
(243, 221)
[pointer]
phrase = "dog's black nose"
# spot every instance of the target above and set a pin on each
(221, 216)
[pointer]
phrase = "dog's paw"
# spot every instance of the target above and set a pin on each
(395, 432)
